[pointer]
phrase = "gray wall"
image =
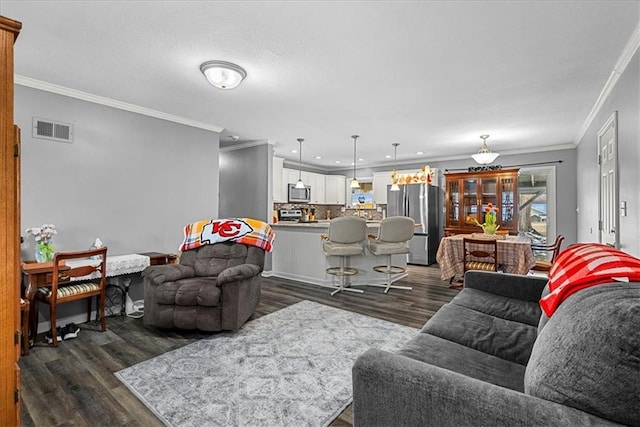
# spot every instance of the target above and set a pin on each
(245, 183)
(625, 99)
(132, 180)
(565, 180)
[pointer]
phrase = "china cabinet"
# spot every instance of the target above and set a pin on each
(467, 195)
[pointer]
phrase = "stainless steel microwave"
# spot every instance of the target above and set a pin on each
(299, 195)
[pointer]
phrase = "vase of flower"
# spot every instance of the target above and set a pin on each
(44, 252)
(490, 229)
(43, 235)
(490, 225)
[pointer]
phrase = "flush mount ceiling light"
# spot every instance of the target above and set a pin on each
(394, 186)
(222, 74)
(484, 156)
(354, 181)
(300, 184)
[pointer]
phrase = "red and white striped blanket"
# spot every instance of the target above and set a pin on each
(584, 265)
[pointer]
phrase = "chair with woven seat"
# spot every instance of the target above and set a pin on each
(345, 239)
(480, 254)
(393, 239)
(68, 283)
(544, 265)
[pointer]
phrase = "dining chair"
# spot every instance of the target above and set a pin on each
(480, 254)
(554, 249)
(71, 285)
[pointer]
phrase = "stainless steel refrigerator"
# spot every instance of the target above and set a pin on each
(420, 202)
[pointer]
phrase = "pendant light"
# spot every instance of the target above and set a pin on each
(395, 186)
(484, 156)
(354, 181)
(300, 184)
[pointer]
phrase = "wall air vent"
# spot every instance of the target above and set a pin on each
(52, 130)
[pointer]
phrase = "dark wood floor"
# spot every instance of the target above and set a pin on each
(74, 385)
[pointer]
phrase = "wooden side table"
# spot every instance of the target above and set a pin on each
(160, 258)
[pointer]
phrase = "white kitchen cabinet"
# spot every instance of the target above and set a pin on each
(334, 190)
(316, 181)
(289, 176)
(279, 195)
(380, 182)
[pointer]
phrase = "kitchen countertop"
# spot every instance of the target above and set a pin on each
(297, 255)
(323, 223)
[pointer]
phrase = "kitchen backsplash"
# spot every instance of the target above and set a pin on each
(335, 211)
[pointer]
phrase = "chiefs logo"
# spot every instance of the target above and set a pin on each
(221, 231)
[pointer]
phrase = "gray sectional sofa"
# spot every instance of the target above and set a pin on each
(491, 358)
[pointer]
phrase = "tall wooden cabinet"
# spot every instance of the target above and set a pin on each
(9, 233)
(467, 195)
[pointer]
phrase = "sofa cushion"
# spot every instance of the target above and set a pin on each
(455, 357)
(588, 354)
(211, 260)
(502, 338)
(499, 306)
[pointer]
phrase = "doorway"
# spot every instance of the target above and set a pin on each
(537, 206)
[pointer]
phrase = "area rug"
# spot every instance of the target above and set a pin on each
(288, 368)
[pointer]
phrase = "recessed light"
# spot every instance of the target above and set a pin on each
(294, 151)
(338, 161)
(388, 156)
(361, 160)
(317, 157)
(420, 152)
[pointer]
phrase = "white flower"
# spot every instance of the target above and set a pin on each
(43, 234)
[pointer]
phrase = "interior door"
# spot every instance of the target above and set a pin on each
(10, 235)
(608, 162)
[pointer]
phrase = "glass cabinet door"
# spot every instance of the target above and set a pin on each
(489, 195)
(470, 200)
(507, 208)
(453, 210)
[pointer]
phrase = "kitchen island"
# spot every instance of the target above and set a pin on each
(297, 255)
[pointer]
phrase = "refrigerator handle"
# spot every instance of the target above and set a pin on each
(406, 203)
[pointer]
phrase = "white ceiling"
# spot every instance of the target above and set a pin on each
(431, 75)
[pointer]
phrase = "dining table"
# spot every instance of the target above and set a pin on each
(514, 254)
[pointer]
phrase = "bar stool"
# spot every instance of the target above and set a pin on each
(346, 237)
(393, 238)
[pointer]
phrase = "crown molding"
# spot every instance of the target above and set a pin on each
(431, 160)
(625, 57)
(247, 144)
(101, 100)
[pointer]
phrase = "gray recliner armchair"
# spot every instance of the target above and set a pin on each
(212, 288)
